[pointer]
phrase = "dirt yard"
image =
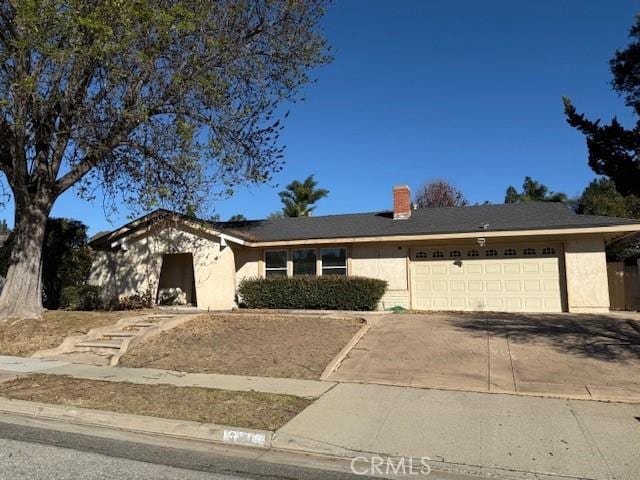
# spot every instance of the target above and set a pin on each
(25, 337)
(285, 346)
(241, 409)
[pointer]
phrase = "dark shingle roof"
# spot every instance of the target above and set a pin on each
(504, 217)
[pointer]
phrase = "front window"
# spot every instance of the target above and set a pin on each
(334, 261)
(275, 263)
(304, 261)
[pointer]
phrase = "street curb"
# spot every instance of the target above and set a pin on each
(180, 429)
(338, 359)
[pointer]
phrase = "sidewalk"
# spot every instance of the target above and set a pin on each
(464, 432)
(574, 438)
(150, 376)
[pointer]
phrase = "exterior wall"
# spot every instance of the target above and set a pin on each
(247, 263)
(386, 262)
(586, 272)
(137, 267)
(395, 298)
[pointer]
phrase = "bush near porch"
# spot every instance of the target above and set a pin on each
(314, 293)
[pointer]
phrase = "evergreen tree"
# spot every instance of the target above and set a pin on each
(614, 150)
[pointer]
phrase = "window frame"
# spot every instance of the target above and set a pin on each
(346, 261)
(284, 269)
(319, 264)
(315, 261)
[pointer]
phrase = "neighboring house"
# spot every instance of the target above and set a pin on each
(532, 257)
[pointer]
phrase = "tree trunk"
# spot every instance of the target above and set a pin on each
(22, 293)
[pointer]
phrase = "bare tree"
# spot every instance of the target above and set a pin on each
(439, 193)
(151, 102)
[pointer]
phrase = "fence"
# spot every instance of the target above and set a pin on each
(624, 286)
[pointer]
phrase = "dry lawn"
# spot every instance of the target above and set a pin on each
(257, 345)
(241, 409)
(25, 337)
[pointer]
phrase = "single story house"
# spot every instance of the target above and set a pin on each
(525, 257)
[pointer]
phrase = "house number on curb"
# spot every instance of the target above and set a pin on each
(235, 436)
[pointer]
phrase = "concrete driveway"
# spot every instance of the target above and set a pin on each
(594, 357)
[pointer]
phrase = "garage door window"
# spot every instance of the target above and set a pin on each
(529, 252)
(492, 252)
(455, 254)
(473, 253)
(548, 251)
(510, 252)
(438, 254)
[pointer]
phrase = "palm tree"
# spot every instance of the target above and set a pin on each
(299, 197)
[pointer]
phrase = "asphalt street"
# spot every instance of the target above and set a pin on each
(24, 460)
(42, 454)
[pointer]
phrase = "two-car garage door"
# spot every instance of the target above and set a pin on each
(501, 278)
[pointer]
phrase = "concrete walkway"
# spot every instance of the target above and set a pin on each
(578, 439)
(300, 388)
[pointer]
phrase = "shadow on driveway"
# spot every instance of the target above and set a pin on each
(589, 336)
(592, 357)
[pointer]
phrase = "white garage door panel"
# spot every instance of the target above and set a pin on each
(488, 281)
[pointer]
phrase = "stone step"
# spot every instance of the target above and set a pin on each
(115, 344)
(128, 334)
(144, 324)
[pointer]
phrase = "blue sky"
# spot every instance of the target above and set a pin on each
(467, 91)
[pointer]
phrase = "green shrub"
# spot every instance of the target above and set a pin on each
(81, 297)
(310, 292)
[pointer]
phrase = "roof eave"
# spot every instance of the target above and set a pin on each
(609, 229)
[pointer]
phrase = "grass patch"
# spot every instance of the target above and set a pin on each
(283, 346)
(25, 337)
(265, 411)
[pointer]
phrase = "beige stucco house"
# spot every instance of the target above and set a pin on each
(528, 257)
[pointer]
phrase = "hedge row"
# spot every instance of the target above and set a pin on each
(311, 292)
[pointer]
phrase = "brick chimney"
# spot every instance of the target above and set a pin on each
(401, 202)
